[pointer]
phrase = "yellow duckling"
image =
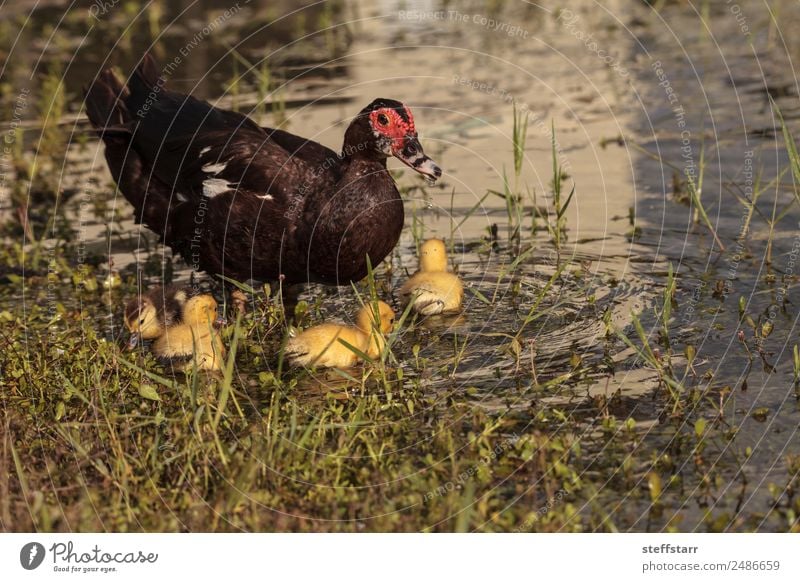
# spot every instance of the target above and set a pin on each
(195, 337)
(147, 316)
(432, 289)
(321, 346)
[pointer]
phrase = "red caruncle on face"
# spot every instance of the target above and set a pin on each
(390, 123)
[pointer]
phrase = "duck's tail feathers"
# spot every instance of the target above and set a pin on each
(296, 354)
(112, 110)
(148, 72)
(427, 302)
(106, 106)
(145, 86)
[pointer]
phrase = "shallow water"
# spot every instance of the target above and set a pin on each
(459, 70)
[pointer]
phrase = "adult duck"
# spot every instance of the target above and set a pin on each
(248, 202)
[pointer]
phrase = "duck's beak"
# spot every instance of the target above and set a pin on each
(134, 341)
(409, 151)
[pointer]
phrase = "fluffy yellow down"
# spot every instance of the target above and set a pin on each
(432, 289)
(195, 336)
(322, 345)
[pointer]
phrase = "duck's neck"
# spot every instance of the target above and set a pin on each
(355, 168)
(355, 152)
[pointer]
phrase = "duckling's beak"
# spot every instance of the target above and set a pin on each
(134, 341)
(220, 321)
(409, 151)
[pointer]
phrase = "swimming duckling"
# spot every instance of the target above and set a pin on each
(321, 346)
(195, 337)
(432, 289)
(147, 316)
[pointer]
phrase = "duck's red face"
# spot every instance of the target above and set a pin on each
(396, 136)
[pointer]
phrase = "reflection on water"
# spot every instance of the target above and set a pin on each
(622, 87)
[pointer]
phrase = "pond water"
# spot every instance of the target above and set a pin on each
(637, 98)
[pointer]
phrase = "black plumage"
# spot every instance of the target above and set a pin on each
(249, 202)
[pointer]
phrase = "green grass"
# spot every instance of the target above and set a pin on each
(480, 423)
(95, 437)
(98, 454)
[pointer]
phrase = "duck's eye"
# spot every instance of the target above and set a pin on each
(382, 119)
(141, 321)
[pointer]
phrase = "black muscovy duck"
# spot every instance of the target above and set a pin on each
(248, 202)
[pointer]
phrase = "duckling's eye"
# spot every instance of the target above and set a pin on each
(141, 320)
(382, 119)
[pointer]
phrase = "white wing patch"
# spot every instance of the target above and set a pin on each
(215, 168)
(215, 186)
(205, 150)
